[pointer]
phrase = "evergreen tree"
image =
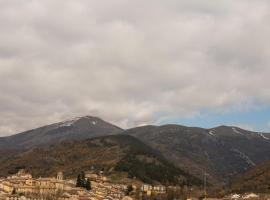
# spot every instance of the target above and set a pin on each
(14, 191)
(88, 184)
(79, 181)
(83, 180)
(82, 175)
(129, 189)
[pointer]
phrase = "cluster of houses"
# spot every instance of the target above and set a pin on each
(150, 189)
(24, 183)
(22, 186)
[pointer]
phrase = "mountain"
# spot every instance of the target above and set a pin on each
(256, 180)
(222, 152)
(74, 129)
(115, 153)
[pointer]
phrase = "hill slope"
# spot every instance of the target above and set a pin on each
(223, 152)
(113, 153)
(74, 129)
(256, 180)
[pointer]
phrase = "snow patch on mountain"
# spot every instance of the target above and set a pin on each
(236, 131)
(244, 157)
(211, 132)
(263, 136)
(69, 122)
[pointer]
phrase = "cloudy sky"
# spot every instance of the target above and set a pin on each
(193, 62)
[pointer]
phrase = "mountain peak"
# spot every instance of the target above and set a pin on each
(69, 122)
(77, 128)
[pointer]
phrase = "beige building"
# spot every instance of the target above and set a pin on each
(23, 182)
(23, 186)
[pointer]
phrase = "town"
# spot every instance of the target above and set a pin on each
(22, 186)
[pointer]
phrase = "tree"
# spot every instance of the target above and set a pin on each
(83, 180)
(83, 175)
(129, 189)
(79, 181)
(14, 191)
(88, 184)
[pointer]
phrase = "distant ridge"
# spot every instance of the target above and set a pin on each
(223, 152)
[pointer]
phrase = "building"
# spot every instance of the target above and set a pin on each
(23, 182)
(22, 186)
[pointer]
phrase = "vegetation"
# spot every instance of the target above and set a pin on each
(143, 163)
(88, 184)
(116, 153)
(256, 180)
(155, 171)
(218, 152)
(13, 191)
(82, 181)
(129, 189)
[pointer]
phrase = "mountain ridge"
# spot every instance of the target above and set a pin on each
(68, 121)
(223, 151)
(73, 129)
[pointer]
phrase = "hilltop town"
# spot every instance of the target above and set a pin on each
(22, 186)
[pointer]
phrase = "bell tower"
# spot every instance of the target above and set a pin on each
(60, 176)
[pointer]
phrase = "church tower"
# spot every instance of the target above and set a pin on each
(60, 176)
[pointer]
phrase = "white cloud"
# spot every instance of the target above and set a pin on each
(128, 62)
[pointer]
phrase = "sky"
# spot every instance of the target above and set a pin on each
(197, 63)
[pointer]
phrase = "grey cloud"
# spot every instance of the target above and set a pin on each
(128, 62)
